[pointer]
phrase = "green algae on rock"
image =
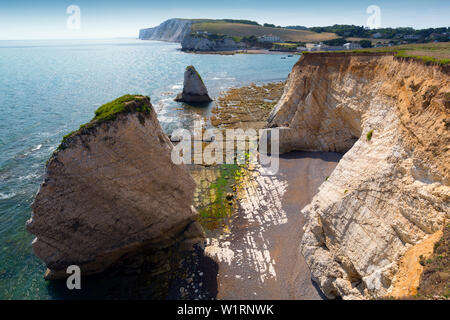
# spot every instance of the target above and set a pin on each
(215, 194)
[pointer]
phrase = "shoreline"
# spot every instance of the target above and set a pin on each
(249, 51)
(248, 221)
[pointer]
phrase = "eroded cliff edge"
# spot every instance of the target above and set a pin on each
(172, 30)
(111, 190)
(388, 199)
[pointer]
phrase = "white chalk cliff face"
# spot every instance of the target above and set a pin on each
(172, 30)
(111, 189)
(389, 195)
(198, 43)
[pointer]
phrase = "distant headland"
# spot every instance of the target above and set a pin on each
(209, 35)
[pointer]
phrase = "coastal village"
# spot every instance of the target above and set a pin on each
(242, 36)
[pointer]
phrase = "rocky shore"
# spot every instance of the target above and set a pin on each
(246, 107)
(364, 147)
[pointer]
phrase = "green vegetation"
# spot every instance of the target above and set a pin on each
(365, 43)
(369, 135)
(404, 34)
(297, 27)
(430, 53)
(434, 281)
(220, 27)
(392, 35)
(335, 42)
(193, 68)
(109, 112)
(426, 59)
(250, 22)
(422, 260)
(236, 39)
(221, 191)
(287, 46)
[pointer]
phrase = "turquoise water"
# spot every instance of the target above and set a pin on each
(49, 88)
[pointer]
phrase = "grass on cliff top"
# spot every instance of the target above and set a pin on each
(429, 53)
(246, 30)
(109, 112)
(438, 53)
(191, 67)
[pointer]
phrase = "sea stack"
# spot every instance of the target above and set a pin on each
(194, 90)
(111, 190)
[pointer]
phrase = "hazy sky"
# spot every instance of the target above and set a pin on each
(20, 19)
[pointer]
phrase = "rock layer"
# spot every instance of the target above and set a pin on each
(172, 30)
(390, 192)
(198, 43)
(111, 189)
(194, 90)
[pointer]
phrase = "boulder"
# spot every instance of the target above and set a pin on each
(111, 189)
(194, 90)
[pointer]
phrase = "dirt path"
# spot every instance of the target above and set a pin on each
(259, 258)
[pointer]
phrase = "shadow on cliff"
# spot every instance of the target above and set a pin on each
(166, 274)
(325, 156)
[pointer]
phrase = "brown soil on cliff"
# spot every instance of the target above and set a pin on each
(435, 280)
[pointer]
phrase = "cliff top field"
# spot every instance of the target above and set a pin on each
(438, 52)
(246, 30)
(433, 52)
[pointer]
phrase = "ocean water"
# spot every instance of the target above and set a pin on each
(49, 88)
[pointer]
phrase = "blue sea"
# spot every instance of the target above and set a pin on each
(49, 88)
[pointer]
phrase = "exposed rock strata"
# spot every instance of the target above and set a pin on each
(194, 90)
(111, 189)
(390, 192)
(172, 30)
(195, 43)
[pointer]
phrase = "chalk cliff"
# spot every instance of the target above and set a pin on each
(387, 201)
(179, 30)
(110, 190)
(172, 30)
(198, 43)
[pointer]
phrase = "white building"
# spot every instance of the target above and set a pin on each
(352, 46)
